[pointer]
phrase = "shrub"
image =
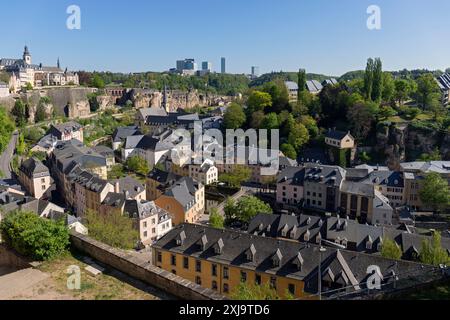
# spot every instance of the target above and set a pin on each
(33, 236)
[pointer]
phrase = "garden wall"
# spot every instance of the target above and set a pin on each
(154, 276)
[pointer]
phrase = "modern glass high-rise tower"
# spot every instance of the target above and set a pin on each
(223, 65)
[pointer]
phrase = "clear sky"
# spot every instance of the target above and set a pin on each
(323, 36)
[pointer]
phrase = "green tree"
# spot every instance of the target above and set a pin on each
(427, 88)
(270, 121)
(402, 91)
(435, 155)
(116, 172)
(253, 292)
(311, 124)
(257, 119)
(368, 79)
(113, 229)
(240, 174)
(361, 117)
(215, 219)
(249, 206)
(97, 81)
(434, 192)
(386, 112)
(298, 136)
(234, 117)
(40, 114)
(377, 84)
(19, 111)
(259, 101)
(229, 209)
(28, 86)
(390, 249)
(288, 151)
(432, 252)
(388, 87)
(301, 81)
(33, 236)
(21, 145)
(137, 165)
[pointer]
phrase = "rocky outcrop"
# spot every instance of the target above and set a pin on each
(143, 98)
(70, 102)
(406, 142)
(106, 102)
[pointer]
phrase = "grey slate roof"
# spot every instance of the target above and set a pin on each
(59, 129)
(34, 168)
(352, 265)
(336, 135)
(183, 191)
(129, 185)
(292, 176)
(121, 133)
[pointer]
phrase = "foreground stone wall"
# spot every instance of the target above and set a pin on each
(143, 271)
(10, 258)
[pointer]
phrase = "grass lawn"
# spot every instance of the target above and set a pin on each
(111, 285)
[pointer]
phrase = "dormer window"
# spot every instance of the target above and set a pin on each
(338, 224)
(307, 235)
(261, 227)
(298, 261)
(285, 230)
(320, 223)
(276, 259)
(344, 242)
(268, 228)
(181, 238)
(369, 243)
(203, 242)
(318, 238)
(308, 221)
(218, 246)
(293, 232)
(345, 225)
(250, 254)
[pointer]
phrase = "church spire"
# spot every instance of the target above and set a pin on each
(58, 64)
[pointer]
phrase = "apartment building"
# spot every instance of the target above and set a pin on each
(35, 177)
(206, 173)
(158, 181)
(67, 131)
(184, 200)
(68, 159)
(151, 221)
(222, 259)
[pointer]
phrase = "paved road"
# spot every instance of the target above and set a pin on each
(7, 155)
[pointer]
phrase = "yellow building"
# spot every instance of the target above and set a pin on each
(222, 259)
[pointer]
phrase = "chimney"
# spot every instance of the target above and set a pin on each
(116, 187)
(126, 194)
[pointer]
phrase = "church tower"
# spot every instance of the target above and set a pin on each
(26, 56)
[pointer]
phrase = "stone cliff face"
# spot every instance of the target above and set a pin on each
(406, 143)
(70, 102)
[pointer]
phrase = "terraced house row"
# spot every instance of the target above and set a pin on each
(369, 194)
(222, 259)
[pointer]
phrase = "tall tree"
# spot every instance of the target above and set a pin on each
(402, 91)
(301, 83)
(377, 81)
(19, 111)
(368, 79)
(298, 136)
(427, 88)
(435, 193)
(432, 251)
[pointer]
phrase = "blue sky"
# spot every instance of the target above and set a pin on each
(323, 36)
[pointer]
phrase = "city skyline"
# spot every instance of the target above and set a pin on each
(322, 37)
